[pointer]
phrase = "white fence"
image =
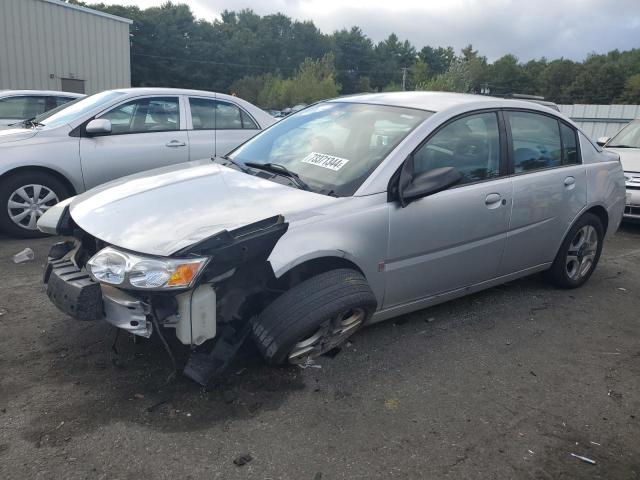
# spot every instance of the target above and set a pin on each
(601, 120)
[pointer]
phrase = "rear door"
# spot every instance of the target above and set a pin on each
(146, 133)
(234, 126)
(549, 187)
(201, 126)
(456, 237)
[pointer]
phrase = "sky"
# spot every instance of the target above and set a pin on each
(527, 28)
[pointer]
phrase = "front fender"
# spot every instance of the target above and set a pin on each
(358, 233)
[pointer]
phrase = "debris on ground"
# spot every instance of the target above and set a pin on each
(391, 404)
(155, 406)
(595, 443)
(584, 459)
(309, 363)
(622, 289)
(243, 459)
(139, 396)
(24, 256)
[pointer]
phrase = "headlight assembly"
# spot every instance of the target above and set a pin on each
(129, 270)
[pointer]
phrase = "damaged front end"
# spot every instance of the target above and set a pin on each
(206, 293)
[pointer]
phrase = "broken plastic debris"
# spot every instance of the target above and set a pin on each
(309, 363)
(594, 443)
(584, 459)
(622, 289)
(23, 256)
(243, 459)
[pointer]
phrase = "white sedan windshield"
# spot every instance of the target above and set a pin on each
(333, 146)
(70, 111)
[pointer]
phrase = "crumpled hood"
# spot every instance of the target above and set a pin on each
(16, 134)
(161, 211)
(629, 157)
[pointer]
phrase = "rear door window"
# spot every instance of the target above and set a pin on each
(203, 113)
(536, 141)
(570, 155)
(232, 117)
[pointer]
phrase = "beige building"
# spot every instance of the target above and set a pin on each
(52, 45)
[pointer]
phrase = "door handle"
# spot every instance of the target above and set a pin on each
(493, 199)
(175, 143)
(570, 182)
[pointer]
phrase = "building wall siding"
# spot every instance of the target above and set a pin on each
(42, 42)
(601, 120)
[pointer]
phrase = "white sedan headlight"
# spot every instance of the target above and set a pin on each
(129, 270)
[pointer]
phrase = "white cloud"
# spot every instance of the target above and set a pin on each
(551, 28)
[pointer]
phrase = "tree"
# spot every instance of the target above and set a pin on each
(631, 92)
(456, 79)
(353, 57)
(438, 59)
(506, 75)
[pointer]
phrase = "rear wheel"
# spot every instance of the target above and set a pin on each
(579, 253)
(24, 197)
(314, 317)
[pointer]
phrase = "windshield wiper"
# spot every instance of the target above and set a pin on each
(621, 146)
(28, 121)
(280, 170)
(233, 162)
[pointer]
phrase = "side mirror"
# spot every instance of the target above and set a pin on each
(98, 126)
(430, 182)
(602, 140)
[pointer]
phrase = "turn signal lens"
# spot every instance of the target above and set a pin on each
(184, 274)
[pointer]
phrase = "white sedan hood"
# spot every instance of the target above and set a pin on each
(629, 157)
(162, 211)
(16, 134)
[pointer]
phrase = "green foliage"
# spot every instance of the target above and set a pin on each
(276, 62)
(631, 92)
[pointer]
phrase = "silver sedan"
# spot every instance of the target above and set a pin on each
(349, 212)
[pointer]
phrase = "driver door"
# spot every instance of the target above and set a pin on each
(454, 238)
(145, 133)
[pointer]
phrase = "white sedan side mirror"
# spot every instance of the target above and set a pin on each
(98, 126)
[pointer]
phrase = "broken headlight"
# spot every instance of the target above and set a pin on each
(135, 271)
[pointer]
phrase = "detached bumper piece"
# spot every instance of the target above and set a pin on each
(72, 290)
(205, 367)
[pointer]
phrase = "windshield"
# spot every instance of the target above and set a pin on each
(333, 146)
(70, 111)
(628, 137)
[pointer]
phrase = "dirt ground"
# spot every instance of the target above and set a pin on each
(507, 384)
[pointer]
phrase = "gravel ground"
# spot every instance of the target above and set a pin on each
(506, 383)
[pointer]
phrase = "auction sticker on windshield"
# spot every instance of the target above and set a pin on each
(325, 161)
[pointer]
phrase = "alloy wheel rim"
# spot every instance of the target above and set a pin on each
(28, 203)
(582, 252)
(330, 334)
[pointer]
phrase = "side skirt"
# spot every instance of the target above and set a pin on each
(414, 305)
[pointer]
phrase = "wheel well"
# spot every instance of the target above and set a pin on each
(602, 214)
(313, 267)
(65, 181)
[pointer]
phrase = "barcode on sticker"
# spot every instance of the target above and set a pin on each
(325, 161)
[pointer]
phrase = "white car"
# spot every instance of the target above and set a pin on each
(626, 143)
(20, 105)
(109, 135)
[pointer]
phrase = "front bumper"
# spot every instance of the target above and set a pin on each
(73, 291)
(632, 204)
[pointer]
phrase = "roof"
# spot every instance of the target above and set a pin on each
(601, 120)
(432, 101)
(8, 93)
(89, 10)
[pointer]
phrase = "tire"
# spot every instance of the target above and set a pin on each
(319, 313)
(31, 183)
(574, 263)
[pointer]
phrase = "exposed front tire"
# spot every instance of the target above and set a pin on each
(579, 253)
(24, 197)
(313, 317)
